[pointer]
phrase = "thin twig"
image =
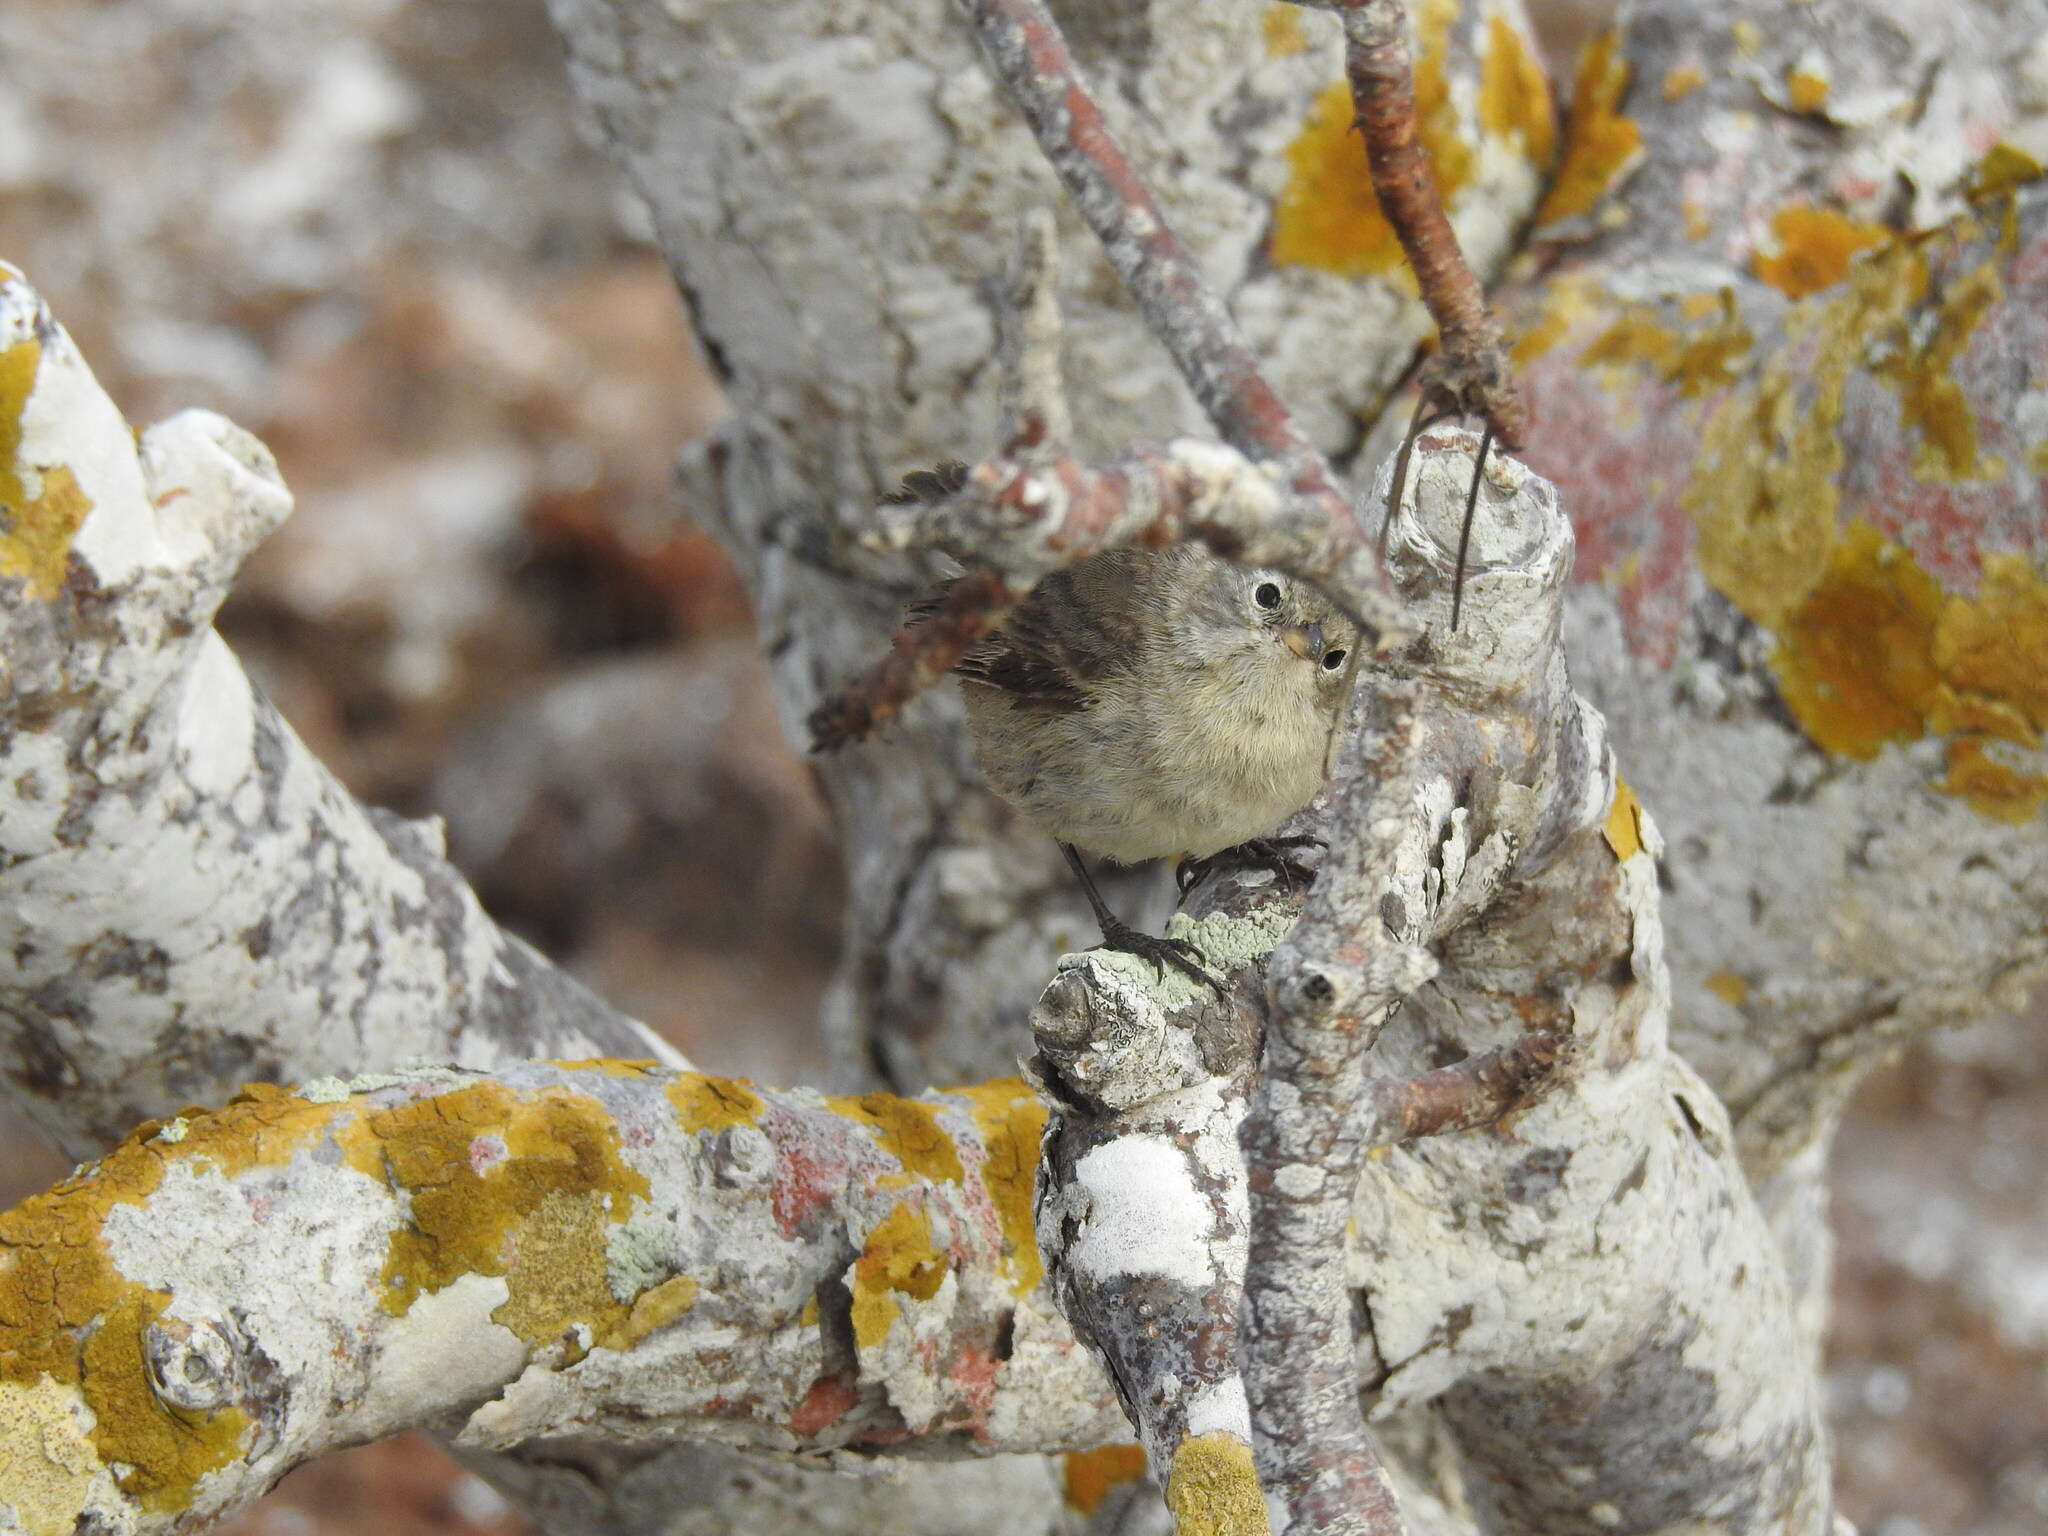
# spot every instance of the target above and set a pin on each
(1304, 1153)
(1471, 371)
(1463, 1096)
(923, 652)
(1027, 53)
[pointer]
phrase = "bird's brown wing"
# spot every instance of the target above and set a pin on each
(1058, 641)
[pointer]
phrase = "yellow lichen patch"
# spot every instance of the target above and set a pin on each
(909, 1131)
(555, 1261)
(1878, 653)
(166, 1450)
(1812, 248)
(1090, 1475)
(1996, 647)
(1930, 399)
(1989, 787)
(36, 530)
(1681, 80)
(36, 543)
(1748, 37)
(610, 1066)
(899, 1259)
(1514, 93)
(1701, 359)
(503, 1183)
(1326, 216)
(1805, 91)
(1280, 29)
(2037, 458)
(1011, 1119)
(659, 1306)
(1214, 1489)
(57, 1279)
(2003, 168)
(1624, 829)
(1601, 145)
(1855, 660)
(705, 1103)
(47, 1463)
(1729, 987)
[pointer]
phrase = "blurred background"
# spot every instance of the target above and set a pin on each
(378, 234)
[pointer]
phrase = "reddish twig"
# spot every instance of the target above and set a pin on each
(1463, 1096)
(924, 651)
(1471, 371)
(1027, 53)
(1304, 1153)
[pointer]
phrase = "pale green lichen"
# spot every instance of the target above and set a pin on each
(638, 1257)
(1225, 943)
(324, 1090)
(174, 1131)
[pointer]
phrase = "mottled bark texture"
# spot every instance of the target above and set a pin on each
(835, 188)
(614, 1252)
(1781, 317)
(187, 898)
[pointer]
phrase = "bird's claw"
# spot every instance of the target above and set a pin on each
(1162, 952)
(1255, 853)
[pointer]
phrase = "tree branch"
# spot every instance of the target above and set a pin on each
(611, 1249)
(183, 887)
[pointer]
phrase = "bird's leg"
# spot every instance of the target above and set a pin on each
(1121, 936)
(1465, 528)
(1273, 853)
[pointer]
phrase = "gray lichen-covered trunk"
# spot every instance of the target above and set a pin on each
(1778, 295)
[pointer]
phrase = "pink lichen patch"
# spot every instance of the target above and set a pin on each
(830, 1399)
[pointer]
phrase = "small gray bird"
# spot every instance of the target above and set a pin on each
(1158, 703)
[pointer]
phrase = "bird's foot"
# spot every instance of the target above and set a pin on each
(1162, 952)
(1272, 853)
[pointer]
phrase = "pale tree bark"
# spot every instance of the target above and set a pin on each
(1601, 1313)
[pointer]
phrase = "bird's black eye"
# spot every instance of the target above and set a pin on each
(1332, 660)
(1267, 594)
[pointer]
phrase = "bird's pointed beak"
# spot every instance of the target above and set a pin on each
(1306, 641)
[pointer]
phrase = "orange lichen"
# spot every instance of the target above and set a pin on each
(1624, 829)
(656, 1307)
(1698, 361)
(706, 1103)
(1812, 248)
(1601, 145)
(1280, 28)
(503, 1183)
(909, 1131)
(1855, 660)
(1213, 1489)
(1011, 1119)
(1805, 91)
(1921, 367)
(69, 1317)
(1996, 647)
(899, 1258)
(163, 1449)
(1877, 653)
(1729, 987)
(1681, 80)
(1326, 215)
(2003, 168)
(1090, 1476)
(36, 530)
(1514, 93)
